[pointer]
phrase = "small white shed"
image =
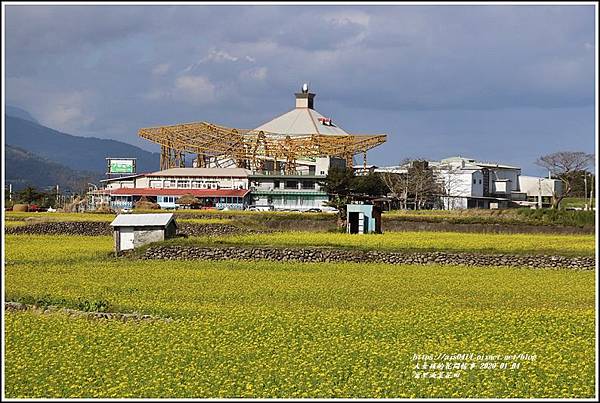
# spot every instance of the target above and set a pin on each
(134, 230)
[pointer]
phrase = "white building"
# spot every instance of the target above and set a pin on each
(539, 190)
(216, 187)
(467, 183)
(471, 184)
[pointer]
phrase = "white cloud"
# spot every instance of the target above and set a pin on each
(259, 73)
(194, 88)
(213, 56)
(161, 69)
(155, 95)
(219, 56)
(67, 111)
(348, 17)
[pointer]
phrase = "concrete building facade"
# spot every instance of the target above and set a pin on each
(540, 191)
(467, 183)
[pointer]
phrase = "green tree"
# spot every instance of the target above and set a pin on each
(338, 184)
(342, 186)
(339, 181)
(371, 185)
(29, 195)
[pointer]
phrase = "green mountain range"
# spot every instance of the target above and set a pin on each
(75, 152)
(26, 169)
(39, 156)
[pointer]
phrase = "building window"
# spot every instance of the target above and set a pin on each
(291, 184)
(480, 181)
(308, 185)
(474, 181)
(155, 184)
(184, 184)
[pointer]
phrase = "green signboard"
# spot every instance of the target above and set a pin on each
(121, 166)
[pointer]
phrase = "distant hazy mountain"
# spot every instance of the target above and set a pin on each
(79, 153)
(17, 112)
(26, 169)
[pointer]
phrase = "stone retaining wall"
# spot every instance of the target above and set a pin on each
(95, 228)
(124, 317)
(340, 255)
(393, 225)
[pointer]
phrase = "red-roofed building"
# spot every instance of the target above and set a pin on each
(221, 188)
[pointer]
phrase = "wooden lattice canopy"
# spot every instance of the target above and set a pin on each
(250, 148)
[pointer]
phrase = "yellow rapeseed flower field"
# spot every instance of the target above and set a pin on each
(277, 329)
(419, 241)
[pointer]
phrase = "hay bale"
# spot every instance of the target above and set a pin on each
(104, 208)
(189, 200)
(21, 207)
(146, 205)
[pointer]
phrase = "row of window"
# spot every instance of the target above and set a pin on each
(214, 200)
(167, 199)
(293, 184)
(294, 201)
(184, 184)
(475, 181)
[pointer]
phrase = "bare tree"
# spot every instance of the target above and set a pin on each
(415, 181)
(562, 165)
(398, 184)
(423, 184)
(450, 181)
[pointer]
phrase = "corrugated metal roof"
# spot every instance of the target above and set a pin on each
(142, 220)
(123, 177)
(492, 165)
(301, 121)
(180, 192)
(471, 161)
(204, 172)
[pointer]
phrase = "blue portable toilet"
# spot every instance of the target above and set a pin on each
(363, 219)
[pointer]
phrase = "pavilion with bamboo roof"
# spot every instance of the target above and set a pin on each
(302, 134)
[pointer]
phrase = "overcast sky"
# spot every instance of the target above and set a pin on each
(497, 83)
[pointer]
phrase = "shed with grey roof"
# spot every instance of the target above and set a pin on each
(134, 230)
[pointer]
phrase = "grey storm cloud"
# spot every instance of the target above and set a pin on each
(433, 77)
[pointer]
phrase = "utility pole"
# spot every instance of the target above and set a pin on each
(585, 193)
(592, 195)
(540, 205)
